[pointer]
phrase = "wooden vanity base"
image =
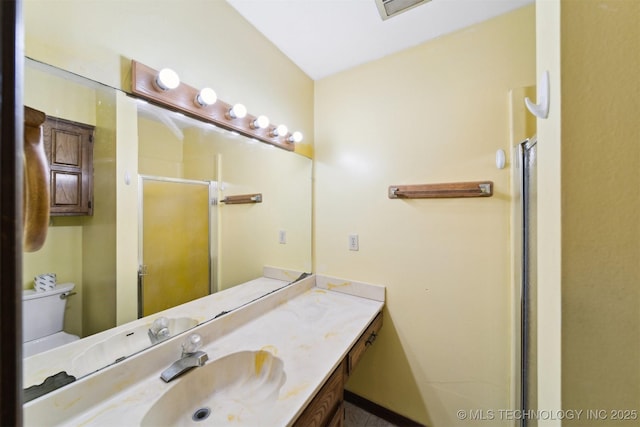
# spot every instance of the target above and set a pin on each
(327, 407)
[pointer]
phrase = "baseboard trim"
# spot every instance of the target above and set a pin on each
(380, 411)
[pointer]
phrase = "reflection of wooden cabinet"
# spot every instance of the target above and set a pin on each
(327, 408)
(69, 149)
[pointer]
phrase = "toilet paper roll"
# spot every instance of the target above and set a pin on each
(44, 282)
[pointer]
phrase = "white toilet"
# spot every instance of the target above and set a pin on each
(43, 318)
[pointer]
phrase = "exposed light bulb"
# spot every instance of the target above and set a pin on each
(206, 97)
(167, 79)
(260, 123)
(281, 130)
(296, 137)
(238, 111)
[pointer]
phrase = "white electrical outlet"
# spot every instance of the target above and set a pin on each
(282, 237)
(353, 242)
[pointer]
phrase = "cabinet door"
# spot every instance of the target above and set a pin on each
(338, 417)
(69, 148)
(326, 404)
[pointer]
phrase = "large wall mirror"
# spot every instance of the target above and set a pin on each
(137, 145)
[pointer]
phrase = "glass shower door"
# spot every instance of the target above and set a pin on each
(175, 264)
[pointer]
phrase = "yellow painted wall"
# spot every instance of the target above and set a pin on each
(249, 234)
(99, 230)
(433, 113)
(589, 234)
(600, 171)
(59, 97)
(549, 214)
(126, 209)
(159, 150)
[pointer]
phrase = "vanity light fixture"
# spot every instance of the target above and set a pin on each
(262, 122)
(295, 137)
(206, 97)
(167, 79)
(281, 130)
(238, 111)
(165, 88)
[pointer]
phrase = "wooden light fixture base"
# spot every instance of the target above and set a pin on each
(182, 98)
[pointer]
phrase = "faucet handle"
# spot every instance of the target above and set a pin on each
(192, 344)
(160, 327)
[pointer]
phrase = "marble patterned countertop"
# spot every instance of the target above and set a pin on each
(38, 367)
(309, 325)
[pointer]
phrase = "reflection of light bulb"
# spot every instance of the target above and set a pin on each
(238, 111)
(296, 137)
(167, 79)
(260, 123)
(206, 97)
(281, 130)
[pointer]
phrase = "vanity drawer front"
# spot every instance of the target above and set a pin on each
(363, 343)
(322, 410)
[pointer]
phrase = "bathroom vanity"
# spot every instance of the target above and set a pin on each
(279, 360)
(326, 408)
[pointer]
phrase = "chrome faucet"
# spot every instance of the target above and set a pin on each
(191, 357)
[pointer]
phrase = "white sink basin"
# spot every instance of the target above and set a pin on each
(121, 345)
(229, 390)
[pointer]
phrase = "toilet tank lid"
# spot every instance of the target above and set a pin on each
(60, 288)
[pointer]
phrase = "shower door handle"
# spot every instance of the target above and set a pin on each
(142, 271)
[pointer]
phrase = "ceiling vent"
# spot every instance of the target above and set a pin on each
(389, 8)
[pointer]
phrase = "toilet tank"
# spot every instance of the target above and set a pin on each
(43, 312)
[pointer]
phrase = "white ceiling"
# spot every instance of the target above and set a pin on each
(324, 37)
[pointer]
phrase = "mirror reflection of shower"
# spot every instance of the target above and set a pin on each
(175, 240)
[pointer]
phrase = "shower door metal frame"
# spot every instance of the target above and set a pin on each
(526, 159)
(141, 267)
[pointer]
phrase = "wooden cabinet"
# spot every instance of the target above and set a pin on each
(69, 149)
(326, 404)
(338, 417)
(327, 407)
